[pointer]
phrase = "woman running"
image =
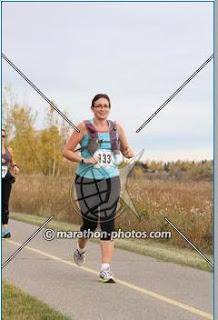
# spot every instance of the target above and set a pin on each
(8, 166)
(97, 178)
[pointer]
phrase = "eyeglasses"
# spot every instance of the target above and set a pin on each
(102, 106)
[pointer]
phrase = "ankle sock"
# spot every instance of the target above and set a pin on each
(81, 250)
(105, 266)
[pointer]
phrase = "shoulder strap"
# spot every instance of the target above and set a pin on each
(113, 135)
(91, 130)
(93, 134)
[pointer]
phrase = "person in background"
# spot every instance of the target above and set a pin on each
(9, 169)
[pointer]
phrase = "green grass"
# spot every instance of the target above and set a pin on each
(17, 305)
(152, 248)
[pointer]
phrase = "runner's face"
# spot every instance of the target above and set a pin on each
(101, 108)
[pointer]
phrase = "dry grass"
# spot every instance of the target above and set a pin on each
(188, 204)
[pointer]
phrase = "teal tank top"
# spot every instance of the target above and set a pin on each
(106, 167)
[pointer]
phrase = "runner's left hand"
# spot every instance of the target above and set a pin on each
(128, 153)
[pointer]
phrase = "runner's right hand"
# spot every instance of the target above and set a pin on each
(92, 160)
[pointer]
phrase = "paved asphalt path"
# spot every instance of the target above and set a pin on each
(145, 289)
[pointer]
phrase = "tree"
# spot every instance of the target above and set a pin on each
(24, 141)
(50, 150)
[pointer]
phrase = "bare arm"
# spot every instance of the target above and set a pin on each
(124, 146)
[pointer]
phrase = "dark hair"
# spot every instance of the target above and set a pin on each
(99, 96)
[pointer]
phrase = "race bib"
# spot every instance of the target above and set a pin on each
(4, 171)
(105, 158)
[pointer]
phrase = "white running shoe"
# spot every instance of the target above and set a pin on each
(79, 258)
(106, 276)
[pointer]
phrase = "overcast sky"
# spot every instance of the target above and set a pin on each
(138, 53)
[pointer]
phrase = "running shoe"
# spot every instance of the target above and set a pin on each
(79, 258)
(106, 276)
(6, 233)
